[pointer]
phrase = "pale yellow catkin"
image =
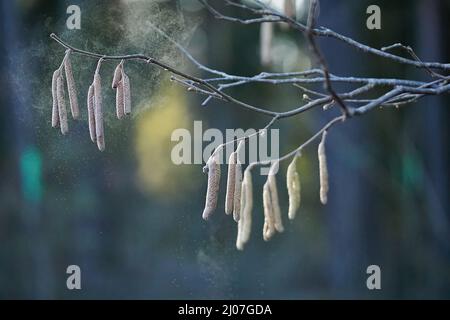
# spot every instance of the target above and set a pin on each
(98, 103)
(237, 192)
(245, 222)
(117, 75)
(212, 192)
(55, 112)
(240, 225)
(119, 101)
(323, 170)
(278, 222)
(126, 94)
(294, 188)
(64, 125)
(71, 88)
(269, 228)
(229, 198)
(91, 113)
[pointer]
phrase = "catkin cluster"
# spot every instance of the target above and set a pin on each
(239, 193)
(121, 83)
(59, 111)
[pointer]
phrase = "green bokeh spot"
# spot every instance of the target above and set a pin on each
(31, 174)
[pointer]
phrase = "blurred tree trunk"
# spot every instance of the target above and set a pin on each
(433, 121)
(33, 251)
(434, 143)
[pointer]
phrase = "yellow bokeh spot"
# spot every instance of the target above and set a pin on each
(156, 173)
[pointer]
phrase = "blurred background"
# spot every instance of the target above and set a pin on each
(132, 220)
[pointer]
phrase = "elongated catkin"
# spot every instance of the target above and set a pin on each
(71, 88)
(269, 228)
(91, 113)
(55, 112)
(212, 192)
(240, 227)
(290, 8)
(266, 35)
(248, 205)
(245, 222)
(278, 222)
(293, 186)
(64, 125)
(229, 198)
(117, 75)
(323, 170)
(119, 101)
(98, 103)
(237, 192)
(126, 94)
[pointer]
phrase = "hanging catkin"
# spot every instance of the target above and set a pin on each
(278, 223)
(269, 228)
(266, 35)
(71, 88)
(126, 93)
(237, 184)
(98, 103)
(55, 112)
(293, 186)
(119, 101)
(62, 104)
(212, 192)
(245, 222)
(237, 192)
(323, 170)
(91, 113)
(117, 75)
(229, 199)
